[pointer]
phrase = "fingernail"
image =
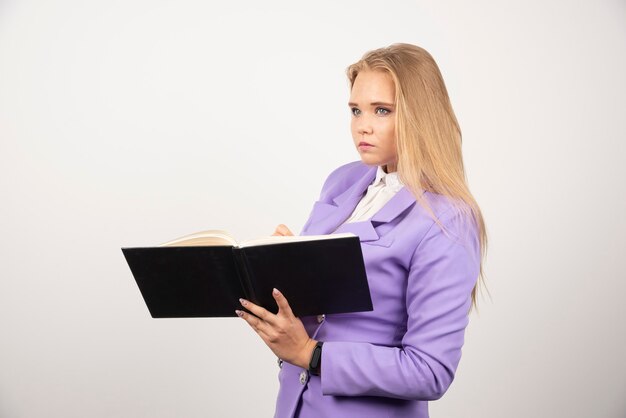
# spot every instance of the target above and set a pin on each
(276, 292)
(238, 312)
(243, 301)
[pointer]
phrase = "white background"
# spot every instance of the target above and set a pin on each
(129, 123)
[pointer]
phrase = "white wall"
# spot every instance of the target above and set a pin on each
(131, 122)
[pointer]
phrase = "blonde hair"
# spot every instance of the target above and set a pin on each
(428, 136)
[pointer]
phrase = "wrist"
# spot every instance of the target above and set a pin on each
(307, 354)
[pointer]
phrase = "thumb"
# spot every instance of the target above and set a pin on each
(281, 301)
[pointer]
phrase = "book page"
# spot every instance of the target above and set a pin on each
(278, 239)
(208, 238)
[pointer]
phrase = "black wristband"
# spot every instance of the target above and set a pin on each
(315, 365)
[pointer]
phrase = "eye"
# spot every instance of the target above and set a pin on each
(382, 108)
(353, 109)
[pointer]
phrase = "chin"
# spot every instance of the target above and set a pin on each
(367, 159)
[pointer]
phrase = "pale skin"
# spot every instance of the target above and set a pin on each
(283, 333)
(372, 106)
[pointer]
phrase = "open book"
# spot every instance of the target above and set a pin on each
(205, 273)
(221, 237)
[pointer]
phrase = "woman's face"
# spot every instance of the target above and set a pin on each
(373, 119)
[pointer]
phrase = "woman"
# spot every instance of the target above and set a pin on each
(423, 241)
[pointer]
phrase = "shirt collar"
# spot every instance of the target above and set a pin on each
(388, 179)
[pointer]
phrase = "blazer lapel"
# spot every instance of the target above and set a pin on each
(366, 229)
(327, 218)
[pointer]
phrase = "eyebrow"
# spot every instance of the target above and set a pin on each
(373, 104)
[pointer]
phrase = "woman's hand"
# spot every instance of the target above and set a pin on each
(283, 333)
(282, 230)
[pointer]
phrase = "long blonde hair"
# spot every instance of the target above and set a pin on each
(428, 136)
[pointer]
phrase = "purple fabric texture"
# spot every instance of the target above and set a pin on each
(391, 361)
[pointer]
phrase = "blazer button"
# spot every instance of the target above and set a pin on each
(320, 318)
(280, 362)
(303, 377)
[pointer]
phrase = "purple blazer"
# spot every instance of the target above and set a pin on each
(391, 361)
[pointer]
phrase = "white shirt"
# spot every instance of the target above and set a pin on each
(382, 189)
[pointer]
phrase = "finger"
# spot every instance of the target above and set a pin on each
(281, 301)
(257, 324)
(259, 311)
(283, 230)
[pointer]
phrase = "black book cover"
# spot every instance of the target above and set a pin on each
(322, 276)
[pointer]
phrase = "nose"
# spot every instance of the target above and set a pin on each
(363, 126)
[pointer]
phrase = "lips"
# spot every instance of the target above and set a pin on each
(364, 143)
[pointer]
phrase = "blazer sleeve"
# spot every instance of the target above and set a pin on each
(443, 271)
